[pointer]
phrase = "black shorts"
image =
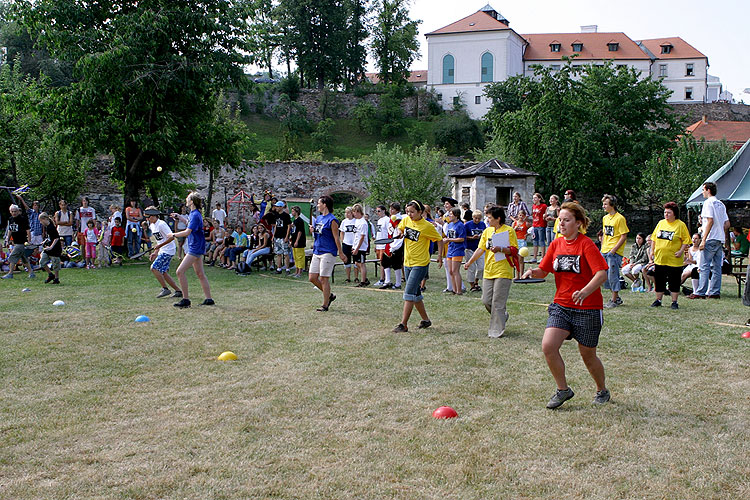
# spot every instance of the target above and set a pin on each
(347, 250)
(664, 274)
(359, 257)
(395, 261)
(584, 325)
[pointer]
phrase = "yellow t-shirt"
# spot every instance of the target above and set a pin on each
(668, 238)
(417, 237)
(558, 234)
(497, 269)
(613, 226)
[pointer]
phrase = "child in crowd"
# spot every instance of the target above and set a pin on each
(92, 238)
(648, 269)
(692, 262)
(263, 246)
(498, 274)
(474, 229)
(163, 252)
(521, 227)
(538, 216)
(455, 237)
(52, 250)
(117, 241)
(576, 312)
(637, 261)
(299, 241)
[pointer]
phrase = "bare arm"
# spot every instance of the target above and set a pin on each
(620, 242)
(596, 281)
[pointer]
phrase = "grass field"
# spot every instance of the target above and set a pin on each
(333, 405)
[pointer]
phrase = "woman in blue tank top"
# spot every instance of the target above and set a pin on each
(325, 249)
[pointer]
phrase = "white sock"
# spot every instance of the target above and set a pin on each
(695, 284)
(387, 274)
(398, 277)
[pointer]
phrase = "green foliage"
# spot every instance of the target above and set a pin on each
(263, 33)
(605, 123)
(674, 174)
(322, 136)
(390, 115)
(401, 175)
(293, 117)
(290, 86)
(458, 134)
(365, 116)
(394, 40)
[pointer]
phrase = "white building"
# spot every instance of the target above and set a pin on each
(465, 56)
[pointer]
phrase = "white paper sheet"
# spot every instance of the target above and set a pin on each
(500, 240)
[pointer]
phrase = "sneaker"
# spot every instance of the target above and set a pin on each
(379, 283)
(400, 328)
(364, 283)
(384, 286)
(425, 323)
(601, 397)
(396, 287)
(279, 271)
(618, 301)
(184, 303)
(208, 302)
(686, 291)
(674, 306)
(747, 323)
(447, 290)
(347, 280)
(164, 293)
(331, 298)
(717, 296)
(32, 275)
(177, 294)
(637, 283)
(696, 296)
(559, 397)
(55, 281)
(8, 276)
(50, 277)
(610, 304)
(656, 303)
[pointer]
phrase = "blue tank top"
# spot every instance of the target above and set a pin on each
(196, 240)
(324, 242)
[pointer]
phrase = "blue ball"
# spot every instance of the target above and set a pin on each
(142, 319)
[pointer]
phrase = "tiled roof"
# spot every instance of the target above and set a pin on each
(415, 76)
(478, 21)
(738, 132)
(493, 168)
(595, 46)
(680, 48)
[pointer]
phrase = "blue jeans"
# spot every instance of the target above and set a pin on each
(712, 258)
(254, 255)
(540, 236)
(614, 261)
(550, 234)
(413, 286)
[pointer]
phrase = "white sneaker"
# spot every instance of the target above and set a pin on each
(378, 283)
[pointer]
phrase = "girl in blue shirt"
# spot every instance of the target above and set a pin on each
(196, 247)
(325, 249)
(455, 237)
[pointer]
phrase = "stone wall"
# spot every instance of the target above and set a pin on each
(718, 111)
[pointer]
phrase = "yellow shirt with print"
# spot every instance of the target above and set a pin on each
(558, 234)
(613, 226)
(417, 237)
(668, 237)
(497, 269)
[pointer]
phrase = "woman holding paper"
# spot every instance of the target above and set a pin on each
(500, 239)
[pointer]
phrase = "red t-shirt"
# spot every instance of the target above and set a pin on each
(537, 214)
(118, 236)
(574, 264)
(521, 228)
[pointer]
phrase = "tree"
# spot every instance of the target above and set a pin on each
(264, 33)
(355, 56)
(405, 175)
(578, 127)
(457, 134)
(394, 40)
(145, 75)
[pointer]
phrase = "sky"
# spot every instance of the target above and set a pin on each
(721, 31)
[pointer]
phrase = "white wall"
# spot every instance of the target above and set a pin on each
(676, 81)
(644, 66)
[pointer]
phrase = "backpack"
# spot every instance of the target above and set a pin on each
(243, 268)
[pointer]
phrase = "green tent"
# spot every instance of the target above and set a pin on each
(732, 180)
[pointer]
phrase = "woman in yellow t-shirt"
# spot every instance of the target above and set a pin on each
(668, 243)
(498, 274)
(417, 233)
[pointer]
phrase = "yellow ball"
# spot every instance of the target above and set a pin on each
(135, 229)
(227, 356)
(394, 218)
(523, 251)
(158, 169)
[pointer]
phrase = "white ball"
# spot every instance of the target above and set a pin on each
(58, 303)
(158, 169)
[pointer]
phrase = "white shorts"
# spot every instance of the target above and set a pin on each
(322, 264)
(633, 269)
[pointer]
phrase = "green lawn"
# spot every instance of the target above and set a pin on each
(334, 405)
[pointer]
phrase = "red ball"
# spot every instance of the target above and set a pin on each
(746, 335)
(445, 412)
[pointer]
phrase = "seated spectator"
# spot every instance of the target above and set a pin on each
(740, 241)
(218, 250)
(264, 245)
(649, 269)
(241, 244)
(227, 247)
(692, 262)
(637, 261)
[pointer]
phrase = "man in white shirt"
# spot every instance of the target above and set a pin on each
(160, 267)
(348, 231)
(361, 243)
(715, 224)
(219, 215)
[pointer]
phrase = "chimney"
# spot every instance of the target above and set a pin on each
(704, 119)
(591, 28)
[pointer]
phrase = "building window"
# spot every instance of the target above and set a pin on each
(666, 49)
(477, 100)
(577, 47)
(487, 67)
(466, 194)
(689, 69)
(554, 67)
(456, 101)
(688, 93)
(503, 195)
(613, 46)
(554, 47)
(440, 97)
(448, 70)
(663, 70)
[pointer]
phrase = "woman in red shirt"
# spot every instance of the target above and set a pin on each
(576, 312)
(538, 211)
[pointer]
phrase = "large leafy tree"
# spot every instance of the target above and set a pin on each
(394, 40)
(264, 32)
(591, 129)
(145, 74)
(357, 31)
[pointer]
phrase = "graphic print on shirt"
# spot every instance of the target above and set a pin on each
(665, 235)
(609, 230)
(13, 226)
(476, 232)
(350, 229)
(411, 234)
(158, 236)
(567, 264)
(451, 233)
(319, 227)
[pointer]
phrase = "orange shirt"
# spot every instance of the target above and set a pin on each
(521, 228)
(574, 264)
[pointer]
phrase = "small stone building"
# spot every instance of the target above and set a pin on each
(493, 181)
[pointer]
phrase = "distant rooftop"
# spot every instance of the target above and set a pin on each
(493, 168)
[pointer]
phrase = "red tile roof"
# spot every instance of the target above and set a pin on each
(733, 132)
(680, 48)
(478, 21)
(595, 46)
(416, 76)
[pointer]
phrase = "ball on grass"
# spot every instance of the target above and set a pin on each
(227, 356)
(58, 303)
(523, 251)
(142, 319)
(445, 412)
(746, 335)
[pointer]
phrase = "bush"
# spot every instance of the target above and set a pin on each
(365, 116)
(390, 114)
(457, 134)
(290, 86)
(293, 116)
(322, 136)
